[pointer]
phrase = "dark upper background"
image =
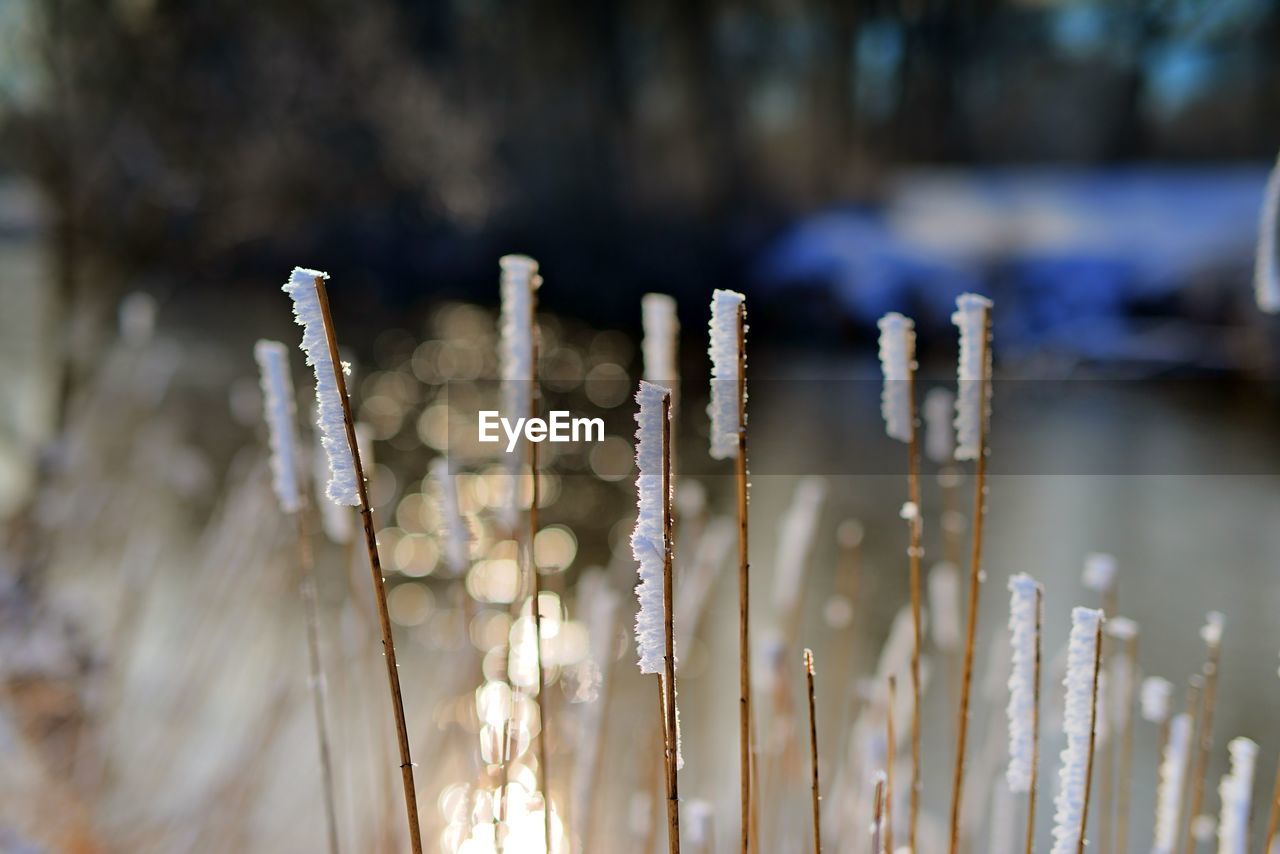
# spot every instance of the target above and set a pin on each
(1081, 161)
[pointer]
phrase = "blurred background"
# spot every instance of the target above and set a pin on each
(1097, 168)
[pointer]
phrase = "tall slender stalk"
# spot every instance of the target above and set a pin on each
(379, 583)
(1093, 737)
(535, 587)
(311, 611)
(975, 578)
(813, 753)
(890, 760)
(744, 593)
(1035, 725)
(1204, 744)
(877, 817)
(1126, 751)
(669, 662)
(916, 552)
(1273, 816)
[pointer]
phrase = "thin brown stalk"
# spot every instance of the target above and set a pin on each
(535, 594)
(311, 611)
(915, 553)
(379, 583)
(1126, 752)
(813, 753)
(1093, 737)
(877, 821)
(1205, 743)
(1035, 725)
(975, 577)
(1273, 817)
(669, 657)
(889, 761)
(744, 595)
(1106, 783)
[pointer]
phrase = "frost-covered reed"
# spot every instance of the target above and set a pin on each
(796, 533)
(1023, 640)
(1155, 699)
(456, 534)
(648, 539)
(1266, 269)
(973, 398)
(1099, 573)
(517, 285)
(1236, 793)
(897, 364)
(944, 606)
(726, 406)
(939, 437)
(1173, 770)
(1079, 719)
(660, 345)
(307, 312)
(279, 406)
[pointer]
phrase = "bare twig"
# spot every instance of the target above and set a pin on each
(813, 753)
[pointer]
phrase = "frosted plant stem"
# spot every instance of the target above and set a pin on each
(1204, 743)
(1035, 725)
(975, 578)
(916, 548)
(890, 759)
(1273, 817)
(1106, 782)
(1126, 753)
(311, 610)
(535, 587)
(813, 754)
(744, 596)
(1093, 738)
(379, 584)
(669, 659)
(877, 822)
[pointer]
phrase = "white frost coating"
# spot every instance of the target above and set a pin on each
(1077, 724)
(1122, 628)
(1173, 769)
(1156, 695)
(279, 408)
(1266, 276)
(1022, 680)
(648, 540)
(1211, 631)
(939, 440)
(457, 535)
(944, 606)
(795, 542)
(1235, 791)
(972, 405)
(1099, 572)
(700, 816)
(897, 361)
(515, 355)
(661, 336)
(301, 287)
(335, 519)
(725, 407)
